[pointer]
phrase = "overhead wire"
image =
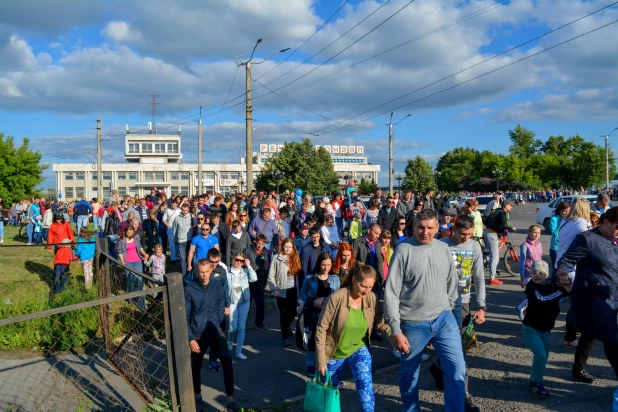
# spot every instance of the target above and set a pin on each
(464, 82)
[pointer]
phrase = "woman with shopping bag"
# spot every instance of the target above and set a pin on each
(348, 319)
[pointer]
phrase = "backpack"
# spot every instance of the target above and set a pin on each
(101, 211)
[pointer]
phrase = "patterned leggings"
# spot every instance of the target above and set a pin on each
(360, 364)
(87, 267)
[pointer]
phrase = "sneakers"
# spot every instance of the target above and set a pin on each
(521, 312)
(286, 343)
(583, 376)
(232, 406)
(470, 406)
(424, 357)
(240, 356)
(538, 390)
(230, 344)
(495, 282)
(199, 405)
(214, 366)
(573, 344)
(438, 376)
(311, 371)
(261, 327)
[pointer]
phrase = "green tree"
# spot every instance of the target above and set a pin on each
(456, 168)
(303, 167)
(523, 142)
(20, 170)
(419, 175)
(366, 187)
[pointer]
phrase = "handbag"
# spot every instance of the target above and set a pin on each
(303, 333)
(469, 339)
(321, 396)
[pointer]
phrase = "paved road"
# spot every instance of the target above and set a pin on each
(498, 369)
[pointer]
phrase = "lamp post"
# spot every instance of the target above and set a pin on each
(278, 175)
(390, 151)
(399, 179)
(607, 157)
(249, 109)
(497, 174)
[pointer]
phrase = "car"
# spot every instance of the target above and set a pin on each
(483, 202)
(545, 212)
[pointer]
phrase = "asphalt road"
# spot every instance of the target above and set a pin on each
(498, 369)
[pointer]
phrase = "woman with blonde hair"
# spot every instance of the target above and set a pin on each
(343, 334)
(238, 277)
(283, 281)
(576, 222)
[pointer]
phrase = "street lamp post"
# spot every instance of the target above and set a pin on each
(607, 158)
(249, 109)
(278, 174)
(390, 151)
(399, 179)
(497, 174)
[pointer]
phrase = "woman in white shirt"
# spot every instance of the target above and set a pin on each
(330, 234)
(238, 277)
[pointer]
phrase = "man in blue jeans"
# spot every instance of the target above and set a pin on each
(420, 296)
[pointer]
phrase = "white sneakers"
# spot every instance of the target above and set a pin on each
(240, 356)
(230, 345)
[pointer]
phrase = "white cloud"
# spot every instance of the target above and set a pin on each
(121, 32)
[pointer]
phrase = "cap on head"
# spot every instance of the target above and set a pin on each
(541, 266)
(304, 227)
(445, 211)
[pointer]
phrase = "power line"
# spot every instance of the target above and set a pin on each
(468, 68)
(467, 81)
(299, 47)
(227, 97)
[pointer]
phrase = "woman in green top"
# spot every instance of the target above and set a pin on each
(344, 330)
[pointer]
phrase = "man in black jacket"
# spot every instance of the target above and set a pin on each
(205, 309)
(258, 256)
(298, 220)
(309, 254)
(388, 214)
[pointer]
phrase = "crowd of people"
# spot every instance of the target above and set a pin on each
(399, 267)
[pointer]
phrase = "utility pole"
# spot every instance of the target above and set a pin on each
(607, 157)
(99, 162)
(200, 183)
(249, 111)
(390, 152)
(154, 105)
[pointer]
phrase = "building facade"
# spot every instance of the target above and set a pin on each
(155, 160)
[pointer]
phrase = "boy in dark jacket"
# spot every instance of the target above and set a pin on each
(543, 309)
(205, 308)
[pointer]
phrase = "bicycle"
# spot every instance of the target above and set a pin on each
(510, 258)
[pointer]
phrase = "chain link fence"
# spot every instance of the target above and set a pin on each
(101, 348)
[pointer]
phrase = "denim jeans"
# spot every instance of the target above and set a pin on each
(309, 358)
(171, 245)
(82, 220)
(443, 333)
(97, 222)
(538, 342)
(182, 249)
(360, 364)
(149, 238)
(257, 294)
(339, 223)
(135, 283)
(491, 241)
(238, 321)
(1, 227)
(46, 234)
(112, 239)
(61, 275)
(30, 231)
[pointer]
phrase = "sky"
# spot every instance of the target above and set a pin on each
(351, 63)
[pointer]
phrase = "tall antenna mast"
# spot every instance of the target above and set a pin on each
(154, 104)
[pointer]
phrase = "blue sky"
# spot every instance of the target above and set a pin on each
(62, 65)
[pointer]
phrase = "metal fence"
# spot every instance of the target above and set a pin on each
(95, 350)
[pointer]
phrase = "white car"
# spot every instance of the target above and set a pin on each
(545, 212)
(483, 202)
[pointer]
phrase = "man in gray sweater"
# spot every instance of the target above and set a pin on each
(420, 296)
(183, 233)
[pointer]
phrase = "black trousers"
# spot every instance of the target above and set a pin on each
(287, 311)
(584, 348)
(257, 294)
(218, 347)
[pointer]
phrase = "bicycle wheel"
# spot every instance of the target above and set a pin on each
(23, 234)
(511, 260)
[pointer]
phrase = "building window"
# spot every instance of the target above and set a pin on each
(107, 175)
(229, 175)
(146, 147)
(175, 176)
(122, 191)
(159, 147)
(208, 175)
(182, 190)
(132, 191)
(79, 192)
(132, 175)
(159, 176)
(121, 176)
(133, 147)
(172, 147)
(94, 175)
(68, 191)
(79, 175)
(68, 175)
(149, 176)
(184, 175)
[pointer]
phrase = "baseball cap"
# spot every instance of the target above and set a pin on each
(541, 266)
(445, 211)
(304, 227)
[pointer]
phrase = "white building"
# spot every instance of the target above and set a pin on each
(155, 160)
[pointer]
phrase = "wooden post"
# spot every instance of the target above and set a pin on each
(181, 363)
(104, 289)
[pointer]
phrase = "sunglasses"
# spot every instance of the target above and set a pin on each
(243, 215)
(213, 263)
(205, 229)
(239, 260)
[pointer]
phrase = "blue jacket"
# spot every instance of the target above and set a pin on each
(205, 308)
(300, 243)
(85, 251)
(310, 288)
(218, 274)
(309, 256)
(82, 208)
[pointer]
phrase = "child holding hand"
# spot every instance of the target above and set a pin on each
(529, 252)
